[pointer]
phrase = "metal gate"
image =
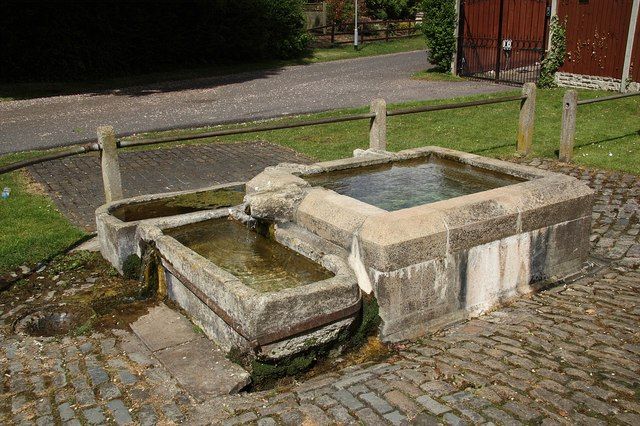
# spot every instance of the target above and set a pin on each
(503, 40)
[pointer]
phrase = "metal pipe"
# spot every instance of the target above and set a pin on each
(607, 98)
(227, 132)
(80, 149)
(355, 25)
(93, 145)
(455, 106)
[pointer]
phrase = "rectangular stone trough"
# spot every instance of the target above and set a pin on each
(209, 274)
(117, 222)
(493, 231)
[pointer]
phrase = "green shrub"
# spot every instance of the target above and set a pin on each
(55, 41)
(389, 9)
(555, 56)
(439, 28)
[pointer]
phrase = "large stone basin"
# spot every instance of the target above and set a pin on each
(500, 231)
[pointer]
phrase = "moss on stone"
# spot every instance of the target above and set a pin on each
(132, 267)
(208, 199)
(264, 373)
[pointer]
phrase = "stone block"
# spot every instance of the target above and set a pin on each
(333, 216)
(119, 239)
(477, 219)
(405, 237)
(202, 369)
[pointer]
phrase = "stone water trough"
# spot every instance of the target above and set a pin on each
(435, 235)
(117, 222)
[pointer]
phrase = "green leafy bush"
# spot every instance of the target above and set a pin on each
(390, 9)
(439, 28)
(555, 56)
(57, 40)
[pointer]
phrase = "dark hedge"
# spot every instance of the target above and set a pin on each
(86, 40)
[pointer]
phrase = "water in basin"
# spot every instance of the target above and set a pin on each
(180, 204)
(404, 184)
(257, 260)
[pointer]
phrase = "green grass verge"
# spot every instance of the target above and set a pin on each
(607, 133)
(32, 228)
(10, 92)
(368, 49)
(431, 75)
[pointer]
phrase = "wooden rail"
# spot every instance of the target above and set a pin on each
(108, 143)
(368, 31)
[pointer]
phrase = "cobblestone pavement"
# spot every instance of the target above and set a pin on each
(75, 183)
(567, 355)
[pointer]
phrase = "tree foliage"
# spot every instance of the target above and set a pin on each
(342, 11)
(439, 25)
(59, 40)
(391, 9)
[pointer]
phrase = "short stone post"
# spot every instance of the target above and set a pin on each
(378, 126)
(110, 165)
(568, 135)
(527, 119)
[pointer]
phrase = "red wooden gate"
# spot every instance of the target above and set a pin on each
(503, 40)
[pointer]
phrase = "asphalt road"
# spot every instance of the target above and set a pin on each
(49, 122)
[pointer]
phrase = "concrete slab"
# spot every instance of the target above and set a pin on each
(202, 369)
(163, 327)
(197, 363)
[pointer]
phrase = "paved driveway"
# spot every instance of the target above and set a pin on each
(48, 122)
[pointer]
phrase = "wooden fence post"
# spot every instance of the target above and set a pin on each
(568, 136)
(110, 165)
(527, 119)
(378, 126)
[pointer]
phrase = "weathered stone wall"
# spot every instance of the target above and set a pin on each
(467, 283)
(581, 81)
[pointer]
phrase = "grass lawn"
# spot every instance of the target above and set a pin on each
(14, 91)
(608, 133)
(432, 75)
(32, 228)
(608, 137)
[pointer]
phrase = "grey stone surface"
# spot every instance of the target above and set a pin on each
(202, 369)
(197, 364)
(436, 263)
(275, 194)
(119, 412)
(94, 416)
(594, 82)
(162, 328)
(255, 314)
